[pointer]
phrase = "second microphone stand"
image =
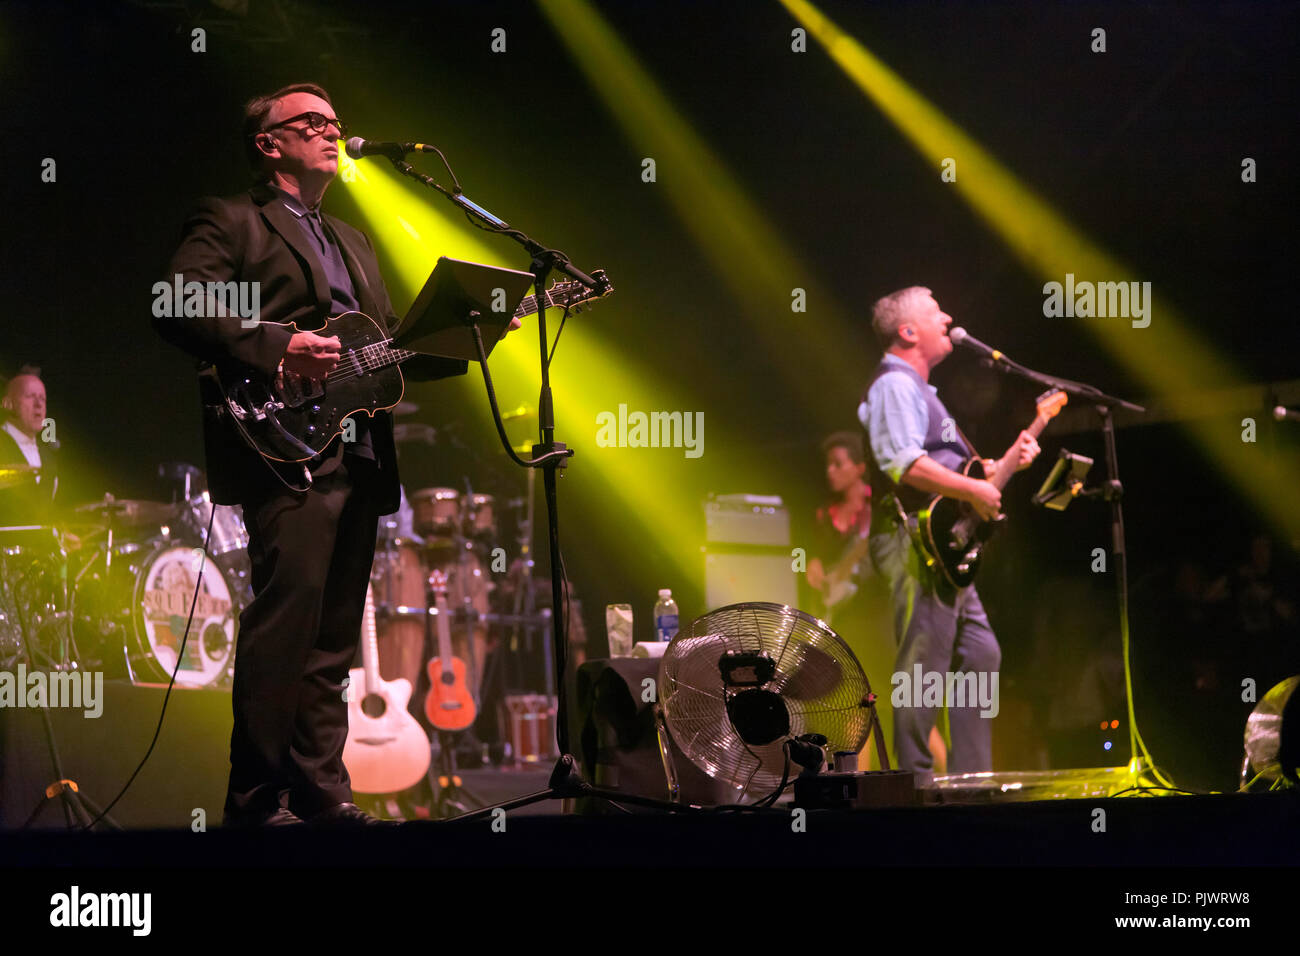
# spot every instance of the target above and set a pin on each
(1112, 491)
(566, 780)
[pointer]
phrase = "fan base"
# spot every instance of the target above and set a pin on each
(856, 791)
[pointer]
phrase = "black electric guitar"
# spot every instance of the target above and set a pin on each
(292, 418)
(949, 533)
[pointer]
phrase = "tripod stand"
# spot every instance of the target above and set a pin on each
(78, 809)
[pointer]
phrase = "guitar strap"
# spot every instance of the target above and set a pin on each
(970, 445)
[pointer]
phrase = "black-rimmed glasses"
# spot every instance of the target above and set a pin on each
(316, 121)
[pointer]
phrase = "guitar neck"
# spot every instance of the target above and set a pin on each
(444, 632)
(370, 647)
(383, 354)
(1004, 471)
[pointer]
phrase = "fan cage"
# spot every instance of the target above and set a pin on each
(817, 676)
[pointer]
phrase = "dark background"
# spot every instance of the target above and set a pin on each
(1140, 148)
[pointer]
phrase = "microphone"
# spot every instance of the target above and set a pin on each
(358, 148)
(1283, 414)
(962, 337)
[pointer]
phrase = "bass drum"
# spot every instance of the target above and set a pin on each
(135, 617)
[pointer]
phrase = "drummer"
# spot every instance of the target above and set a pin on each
(28, 502)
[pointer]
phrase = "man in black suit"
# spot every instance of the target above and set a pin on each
(22, 434)
(311, 550)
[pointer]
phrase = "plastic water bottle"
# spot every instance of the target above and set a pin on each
(665, 616)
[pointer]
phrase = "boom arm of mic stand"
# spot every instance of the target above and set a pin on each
(554, 258)
(1078, 389)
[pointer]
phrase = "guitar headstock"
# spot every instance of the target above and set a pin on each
(438, 582)
(571, 294)
(1051, 402)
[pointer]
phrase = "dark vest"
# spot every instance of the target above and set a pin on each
(951, 454)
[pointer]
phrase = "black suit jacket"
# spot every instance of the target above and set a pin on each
(253, 237)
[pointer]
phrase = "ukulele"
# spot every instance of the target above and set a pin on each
(449, 705)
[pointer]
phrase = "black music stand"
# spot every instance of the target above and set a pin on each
(456, 295)
(1065, 481)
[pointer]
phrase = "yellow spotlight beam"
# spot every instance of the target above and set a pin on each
(632, 485)
(758, 266)
(1164, 356)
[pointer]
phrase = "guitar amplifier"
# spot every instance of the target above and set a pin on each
(747, 556)
(747, 519)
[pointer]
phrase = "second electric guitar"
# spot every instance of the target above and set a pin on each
(949, 532)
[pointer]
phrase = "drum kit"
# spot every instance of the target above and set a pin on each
(111, 588)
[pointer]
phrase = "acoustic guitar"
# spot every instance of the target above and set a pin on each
(387, 750)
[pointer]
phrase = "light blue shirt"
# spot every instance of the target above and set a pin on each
(896, 419)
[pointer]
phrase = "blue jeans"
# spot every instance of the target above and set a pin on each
(944, 630)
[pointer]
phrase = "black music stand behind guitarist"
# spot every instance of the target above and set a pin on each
(456, 296)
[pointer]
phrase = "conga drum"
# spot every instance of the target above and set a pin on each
(481, 519)
(401, 606)
(435, 512)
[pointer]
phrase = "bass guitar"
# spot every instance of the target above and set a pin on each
(950, 534)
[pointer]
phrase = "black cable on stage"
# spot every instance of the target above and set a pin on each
(180, 656)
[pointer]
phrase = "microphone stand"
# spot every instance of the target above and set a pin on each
(1111, 491)
(566, 780)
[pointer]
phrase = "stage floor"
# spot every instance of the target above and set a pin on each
(1216, 830)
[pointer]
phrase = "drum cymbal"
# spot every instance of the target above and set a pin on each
(127, 512)
(11, 475)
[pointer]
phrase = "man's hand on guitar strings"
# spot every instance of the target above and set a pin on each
(311, 355)
(985, 498)
(1026, 448)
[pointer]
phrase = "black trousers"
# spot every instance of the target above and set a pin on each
(311, 557)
